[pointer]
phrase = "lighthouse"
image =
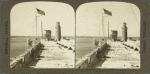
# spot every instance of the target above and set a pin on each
(124, 32)
(58, 32)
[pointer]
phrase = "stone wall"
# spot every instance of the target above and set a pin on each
(67, 44)
(23, 59)
(88, 60)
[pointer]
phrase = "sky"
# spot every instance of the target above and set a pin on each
(23, 20)
(89, 18)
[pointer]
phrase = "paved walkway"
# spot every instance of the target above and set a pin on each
(53, 56)
(119, 56)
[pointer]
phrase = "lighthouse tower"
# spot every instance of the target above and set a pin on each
(58, 32)
(124, 32)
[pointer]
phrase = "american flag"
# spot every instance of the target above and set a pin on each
(107, 12)
(40, 11)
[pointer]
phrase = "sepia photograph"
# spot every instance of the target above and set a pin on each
(42, 35)
(75, 36)
(108, 36)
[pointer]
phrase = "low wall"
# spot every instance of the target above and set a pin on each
(68, 44)
(132, 44)
(23, 59)
(88, 60)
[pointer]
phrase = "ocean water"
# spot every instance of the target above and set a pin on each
(17, 46)
(84, 46)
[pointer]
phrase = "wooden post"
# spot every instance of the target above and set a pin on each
(42, 29)
(108, 29)
(36, 26)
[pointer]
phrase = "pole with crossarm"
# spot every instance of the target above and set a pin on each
(108, 13)
(42, 13)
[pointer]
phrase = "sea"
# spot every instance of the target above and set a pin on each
(18, 45)
(84, 46)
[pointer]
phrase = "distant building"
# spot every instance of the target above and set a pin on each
(48, 35)
(114, 34)
(64, 37)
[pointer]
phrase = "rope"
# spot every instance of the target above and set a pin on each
(103, 28)
(134, 13)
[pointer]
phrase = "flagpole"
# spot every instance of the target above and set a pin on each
(102, 25)
(36, 24)
(99, 31)
(33, 30)
(42, 29)
(51, 31)
(108, 29)
(40, 12)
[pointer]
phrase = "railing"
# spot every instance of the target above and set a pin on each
(88, 60)
(23, 59)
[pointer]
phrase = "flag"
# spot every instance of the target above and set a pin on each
(107, 12)
(40, 11)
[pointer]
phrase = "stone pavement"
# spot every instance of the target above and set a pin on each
(53, 55)
(119, 56)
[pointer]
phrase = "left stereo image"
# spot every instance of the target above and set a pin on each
(42, 35)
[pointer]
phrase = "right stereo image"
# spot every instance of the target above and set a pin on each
(108, 36)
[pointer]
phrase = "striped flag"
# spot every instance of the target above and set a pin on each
(40, 11)
(107, 12)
